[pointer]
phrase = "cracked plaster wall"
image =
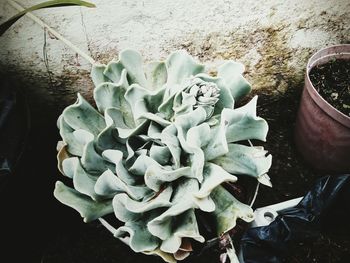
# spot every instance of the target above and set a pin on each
(272, 38)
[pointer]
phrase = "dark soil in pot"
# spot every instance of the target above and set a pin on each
(332, 82)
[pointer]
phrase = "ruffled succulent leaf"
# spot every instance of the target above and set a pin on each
(69, 166)
(214, 176)
(188, 228)
(116, 157)
(217, 146)
(82, 116)
(243, 124)
(136, 235)
(160, 154)
(161, 226)
(97, 74)
(83, 136)
(125, 133)
(109, 139)
(180, 66)
(183, 124)
(245, 160)
(228, 209)
(131, 146)
(112, 72)
(170, 139)
(121, 212)
(141, 165)
(108, 184)
(145, 103)
(111, 95)
(74, 146)
(154, 131)
(156, 74)
(88, 209)
(74, 139)
(132, 62)
(166, 108)
(84, 182)
(128, 209)
(92, 161)
(183, 103)
(231, 72)
(118, 118)
(156, 176)
(194, 142)
(236, 125)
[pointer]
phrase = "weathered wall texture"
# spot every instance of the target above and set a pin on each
(272, 38)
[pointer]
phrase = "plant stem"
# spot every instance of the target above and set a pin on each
(53, 32)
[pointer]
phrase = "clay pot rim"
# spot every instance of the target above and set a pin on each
(334, 51)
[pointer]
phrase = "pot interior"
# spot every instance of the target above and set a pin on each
(321, 57)
(324, 55)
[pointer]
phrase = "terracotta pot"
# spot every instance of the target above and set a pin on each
(322, 133)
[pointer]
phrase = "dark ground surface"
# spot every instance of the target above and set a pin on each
(332, 81)
(37, 228)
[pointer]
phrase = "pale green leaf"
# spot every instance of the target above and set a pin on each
(180, 65)
(88, 209)
(245, 160)
(156, 74)
(228, 210)
(232, 72)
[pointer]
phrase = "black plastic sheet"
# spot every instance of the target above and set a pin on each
(324, 209)
(14, 127)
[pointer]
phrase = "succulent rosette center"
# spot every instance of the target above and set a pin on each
(199, 93)
(206, 93)
(164, 138)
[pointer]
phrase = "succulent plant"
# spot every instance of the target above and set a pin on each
(163, 139)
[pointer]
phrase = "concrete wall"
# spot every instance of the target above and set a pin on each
(272, 38)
